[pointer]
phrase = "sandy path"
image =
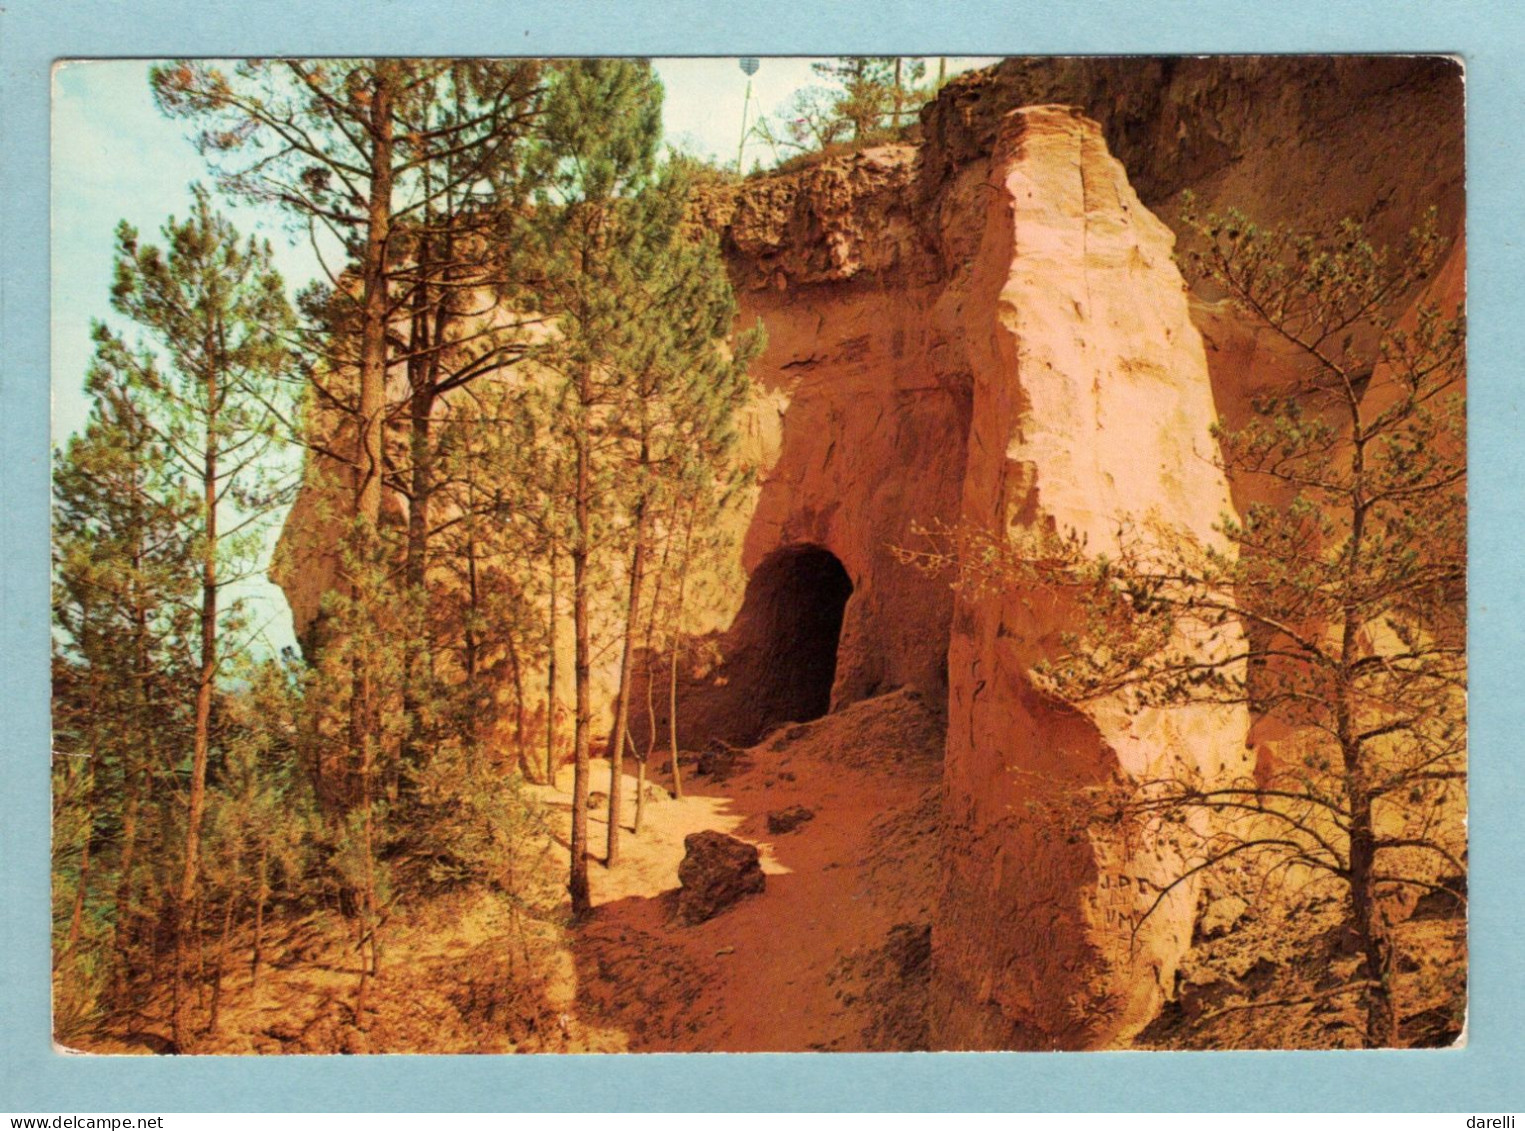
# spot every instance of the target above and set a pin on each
(801, 966)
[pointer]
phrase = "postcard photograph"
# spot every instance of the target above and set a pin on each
(773, 554)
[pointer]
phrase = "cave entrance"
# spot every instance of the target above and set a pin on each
(790, 624)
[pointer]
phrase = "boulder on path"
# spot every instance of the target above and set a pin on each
(717, 870)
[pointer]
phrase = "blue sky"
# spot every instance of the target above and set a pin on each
(115, 157)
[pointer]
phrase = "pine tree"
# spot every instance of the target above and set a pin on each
(416, 169)
(873, 87)
(484, 604)
(264, 809)
(124, 578)
(907, 73)
(369, 153)
(208, 382)
(258, 816)
(600, 131)
(684, 386)
(351, 720)
(452, 270)
(322, 139)
(808, 121)
(1351, 583)
(642, 312)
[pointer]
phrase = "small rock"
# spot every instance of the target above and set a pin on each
(719, 763)
(787, 820)
(717, 870)
(598, 799)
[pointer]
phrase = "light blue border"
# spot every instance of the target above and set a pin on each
(1485, 1076)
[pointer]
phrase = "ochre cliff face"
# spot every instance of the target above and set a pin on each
(1301, 141)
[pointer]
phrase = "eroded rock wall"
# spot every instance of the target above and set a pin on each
(1304, 139)
(1300, 140)
(858, 427)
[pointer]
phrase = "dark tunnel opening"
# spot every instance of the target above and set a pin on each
(791, 624)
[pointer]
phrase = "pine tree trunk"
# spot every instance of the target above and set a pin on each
(677, 638)
(428, 330)
(651, 674)
(361, 941)
(651, 709)
(550, 677)
(367, 946)
(261, 893)
(1381, 1015)
(651, 631)
(136, 792)
(473, 599)
(516, 673)
(416, 646)
(375, 304)
(1381, 1019)
(582, 661)
(622, 698)
(672, 717)
(205, 685)
(375, 301)
(474, 645)
(371, 908)
(640, 786)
